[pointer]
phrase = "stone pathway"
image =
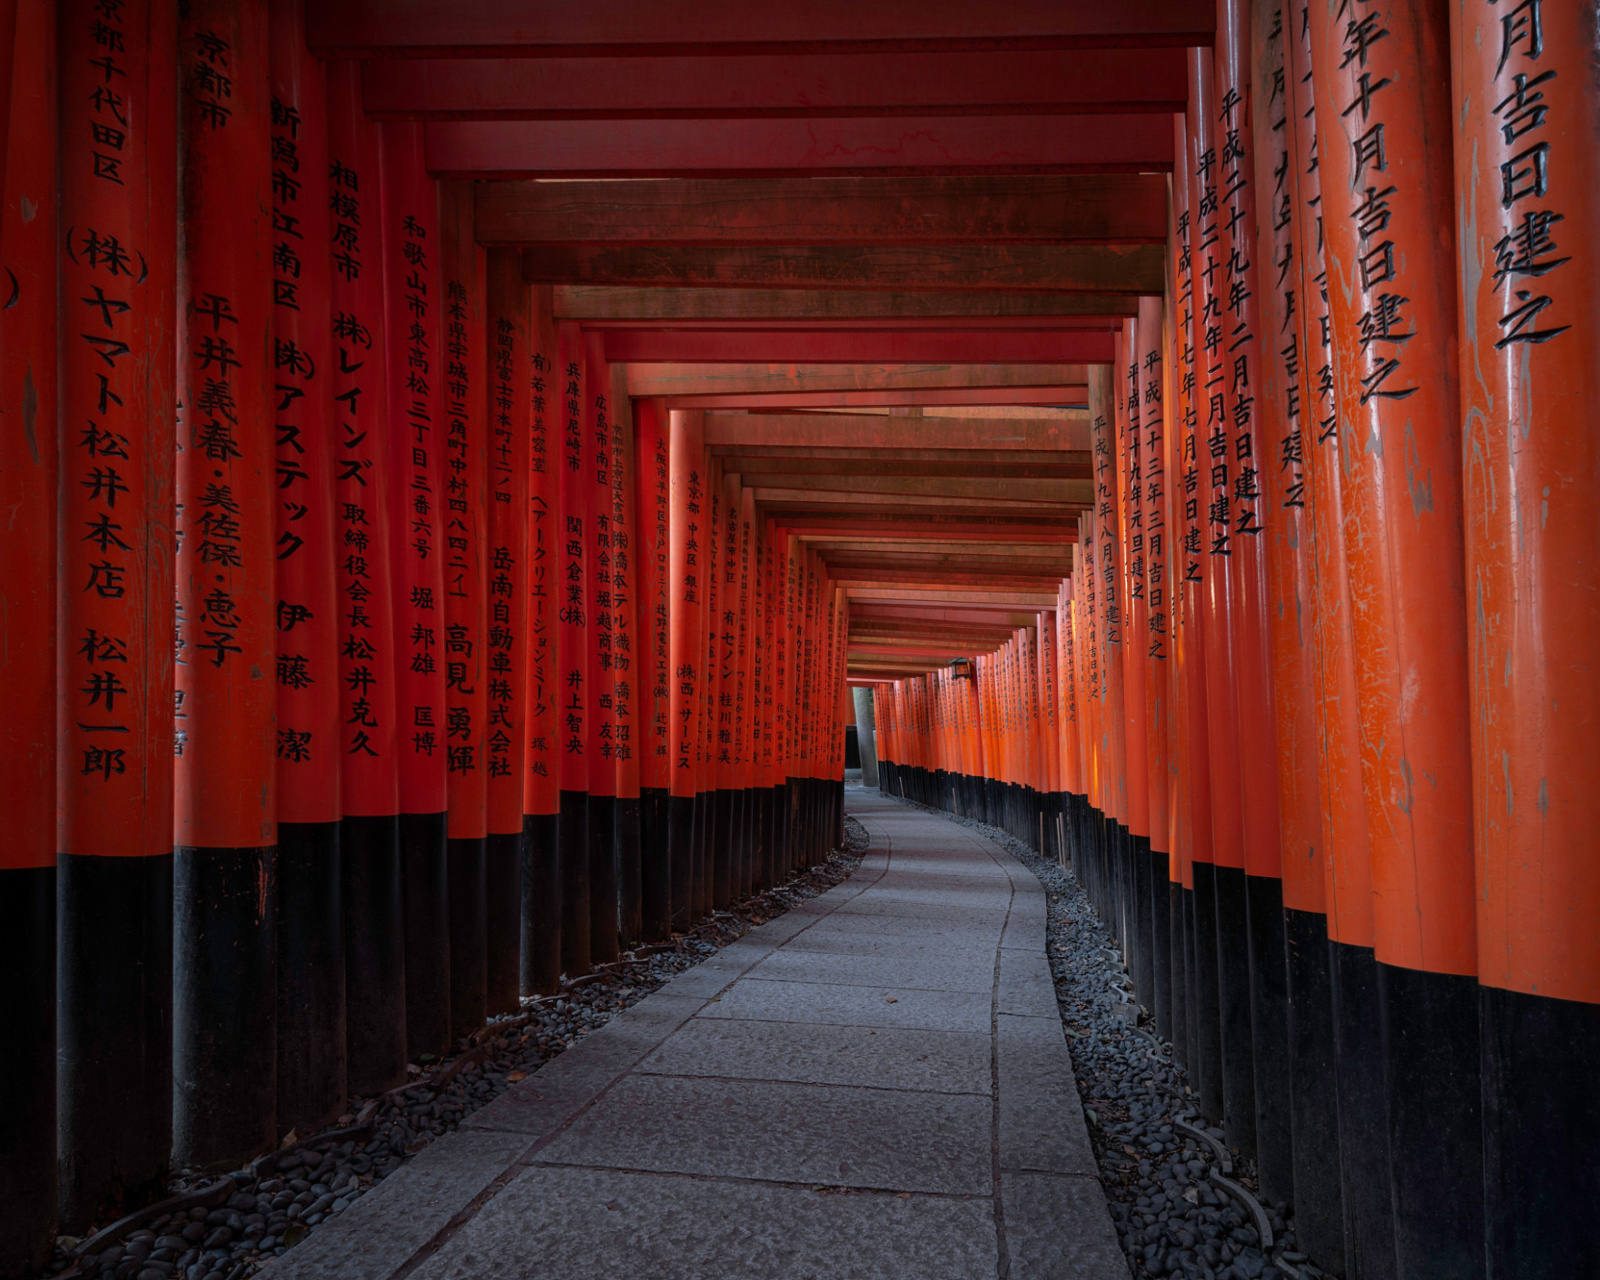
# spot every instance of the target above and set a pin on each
(876, 1084)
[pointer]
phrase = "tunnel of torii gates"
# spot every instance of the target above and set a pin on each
(432, 564)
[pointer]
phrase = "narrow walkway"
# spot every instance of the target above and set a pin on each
(876, 1084)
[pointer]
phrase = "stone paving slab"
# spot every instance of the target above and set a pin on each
(875, 1084)
(589, 1224)
(805, 1053)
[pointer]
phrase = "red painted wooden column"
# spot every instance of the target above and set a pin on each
(653, 665)
(1152, 640)
(722, 648)
(1213, 520)
(627, 661)
(705, 844)
(1356, 1193)
(601, 632)
(118, 224)
(509, 370)
(225, 856)
(29, 463)
(1387, 216)
(414, 441)
(1130, 538)
(1178, 401)
(375, 1023)
(541, 787)
(745, 695)
(766, 668)
(1306, 1160)
(688, 533)
(1254, 427)
(1050, 728)
(310, 925)
(574, 701)
(757, 720)
(463, 376)
(1527, 198)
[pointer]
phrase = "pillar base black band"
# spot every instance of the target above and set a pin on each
(1269, 1031)
(27, 1069)
(655, 866)
(1314, 1111)
(502, 878)
(1363, 1128)
(468, 937)
(1233, 1009)
(630, 883)
(541, 904)
(425, 889)
(374, 954)
(573, 839)
(603, 903)
(114, 1036)
(311, 1050)
(1541, 1129)
(1205, 1044)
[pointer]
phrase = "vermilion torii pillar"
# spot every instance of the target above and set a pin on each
(225, 862)
(510, 374)
(687, 538)
(1254, 424)
(572, 692)
(601, 634)
(375, 1022)
(463, 377)
(1155, 639)
(1348, 1203)
(29, 463)
(1306, 1021)
(415, 440)
(541, 793)
(628, 666)
(652, 662)
(1196, 563)
(1527, 205)
(1387, 206)
(311, 984)
(118, 220)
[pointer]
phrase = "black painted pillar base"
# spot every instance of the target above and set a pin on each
(603, 903)
(721, 812)
(114, 1035)
(1313, 1098)
(1363, 1125)
(573, 842)
(700, 893)
(1206, 1044)
(225, 1004)
(1434, 1091)
(1269, 1036)
(1143, 920)
(311, 1049)
(630, 870)
(469, 975)
(655, 865)
(374, 954)
(425, 880)
(541, 905)
(1195, 1048)
(27, 1069)
(1177, 959)
(1541, 1130)
(680, 858)
(502, 880)
(1233, 1008)
(1161, 942)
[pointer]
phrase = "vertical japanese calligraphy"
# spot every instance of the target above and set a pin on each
(369, 835)
(117, 360)
(225, 1011)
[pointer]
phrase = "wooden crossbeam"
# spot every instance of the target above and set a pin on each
(729, 346)
(1032, 268)
(705, 86)
(729, 212)
(900, 434)
(508, 28)
(616, 303)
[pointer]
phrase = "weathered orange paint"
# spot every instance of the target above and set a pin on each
(1530, 391)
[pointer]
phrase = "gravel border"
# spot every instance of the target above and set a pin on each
(1183, 1204)
(232, 1228)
